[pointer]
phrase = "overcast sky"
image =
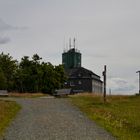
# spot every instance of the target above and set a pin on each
(106, 31)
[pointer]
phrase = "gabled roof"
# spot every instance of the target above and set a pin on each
(82, 72)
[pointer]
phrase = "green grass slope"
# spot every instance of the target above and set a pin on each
(120, 115)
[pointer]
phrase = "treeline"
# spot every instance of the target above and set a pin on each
(30, 75)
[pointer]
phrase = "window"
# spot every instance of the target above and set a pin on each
(79, 74)
(72, 83)
(65, 83)
(79, 82)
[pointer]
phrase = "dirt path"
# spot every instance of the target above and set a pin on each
(53, 119)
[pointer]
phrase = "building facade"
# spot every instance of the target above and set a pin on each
(80, 79)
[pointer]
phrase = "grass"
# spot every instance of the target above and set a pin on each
(8, 110)
(27, 95)
(120, 115)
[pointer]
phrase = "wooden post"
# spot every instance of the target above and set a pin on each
(139, 80)
(104, 75)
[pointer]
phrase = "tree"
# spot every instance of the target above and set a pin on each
(47, 78)
(60, 75)
(30, 75)
(36, 73)
(8, 67)
(53, 77)
(3, 84)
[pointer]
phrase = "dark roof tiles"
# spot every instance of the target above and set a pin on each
(83, 72)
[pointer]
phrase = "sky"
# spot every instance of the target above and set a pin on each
(107, 32)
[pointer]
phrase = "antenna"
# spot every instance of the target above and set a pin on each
(74, 43)
(64, 45)
(70, 43)
(67, 48)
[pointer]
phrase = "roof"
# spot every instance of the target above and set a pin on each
(72, 50)
(82, 72)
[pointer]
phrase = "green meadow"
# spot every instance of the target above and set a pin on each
(120, 115)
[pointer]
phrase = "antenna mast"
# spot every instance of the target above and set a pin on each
(74, 43)
(64, 45)
(70, 43)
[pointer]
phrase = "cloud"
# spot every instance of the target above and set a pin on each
(4, 40)
(5, 27)
(120, 85)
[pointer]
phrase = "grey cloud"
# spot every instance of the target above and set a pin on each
(6, 27)
(4, 40)
(120, 85)
(125, 89)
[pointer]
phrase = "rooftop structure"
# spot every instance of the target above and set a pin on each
(72, 57)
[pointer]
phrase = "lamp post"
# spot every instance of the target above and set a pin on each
(139, 80)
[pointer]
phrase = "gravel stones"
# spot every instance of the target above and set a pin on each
(53, 119)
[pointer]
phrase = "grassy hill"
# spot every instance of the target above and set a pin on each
(120, 115)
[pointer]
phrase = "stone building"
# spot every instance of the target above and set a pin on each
(80, 79)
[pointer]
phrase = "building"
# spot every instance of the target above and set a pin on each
(80, 79)
(71, 59)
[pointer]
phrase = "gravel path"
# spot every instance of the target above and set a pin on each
(53, 119)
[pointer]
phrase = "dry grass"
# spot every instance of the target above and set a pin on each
(8, 110)
(120, 115)
(27, 95)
